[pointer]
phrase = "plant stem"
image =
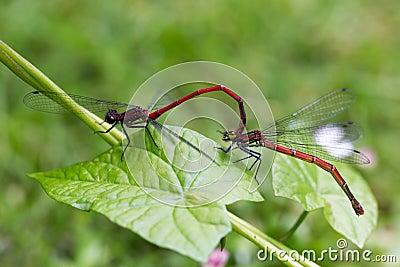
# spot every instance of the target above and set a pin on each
(34, 77)
(266, 243)
(294, 227)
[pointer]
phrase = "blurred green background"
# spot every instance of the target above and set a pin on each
(295, 51)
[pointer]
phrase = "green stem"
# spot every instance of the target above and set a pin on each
(294, 227)
(34, 77)
(268, 245)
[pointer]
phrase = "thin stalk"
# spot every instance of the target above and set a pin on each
(294, 227)
(266, 243)
(34, 77)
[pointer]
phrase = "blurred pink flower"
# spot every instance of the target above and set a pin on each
(217, 258)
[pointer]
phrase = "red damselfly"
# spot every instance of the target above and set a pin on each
(132, 117)
(307, 136)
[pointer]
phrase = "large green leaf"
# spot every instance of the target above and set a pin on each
(314, 188)
(160, 202)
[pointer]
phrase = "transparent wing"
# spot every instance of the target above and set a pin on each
(159, 126)
(160, 101)
(332, 141)
(307, 130)
(317, 112)
(41, 102)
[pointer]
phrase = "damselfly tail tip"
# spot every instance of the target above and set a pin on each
(357, 207)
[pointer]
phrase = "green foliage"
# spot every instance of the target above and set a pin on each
(295, 51)
(314, 188)
(166, 215)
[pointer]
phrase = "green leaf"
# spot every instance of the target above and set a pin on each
(315, 188)
(162, 203)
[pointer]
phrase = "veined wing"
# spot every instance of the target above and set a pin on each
(317, 112)
(332, 141)
(41, 102)
(160, 127)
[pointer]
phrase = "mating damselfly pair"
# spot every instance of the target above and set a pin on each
(306, 134)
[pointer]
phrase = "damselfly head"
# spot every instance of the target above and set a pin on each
(228, 135)
(111, 116)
